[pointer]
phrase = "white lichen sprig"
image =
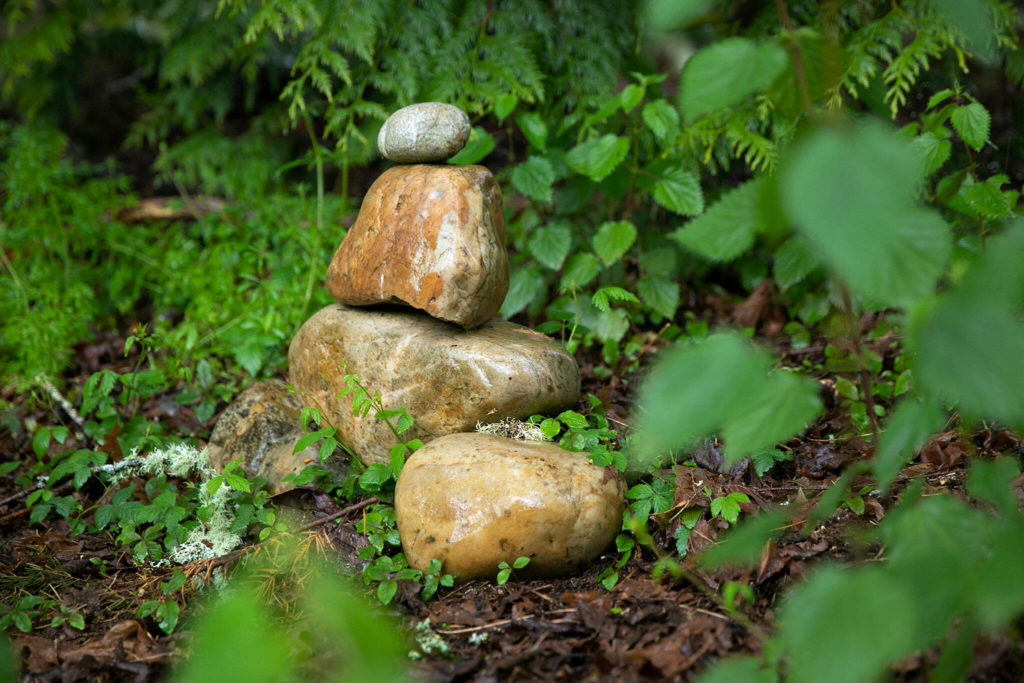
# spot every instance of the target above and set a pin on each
(511, 428)
(209, 539)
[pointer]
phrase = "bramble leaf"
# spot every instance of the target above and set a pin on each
(613, 239)
(726, 72)
(598, 157)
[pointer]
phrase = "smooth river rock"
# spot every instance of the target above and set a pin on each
(424, 132)
(474, 500)
(261, 426)
(447, 378)
(431, 237)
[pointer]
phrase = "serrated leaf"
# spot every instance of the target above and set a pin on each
(794, 260)
(988, 199)
(753, 409)
(238, 483)
(580, 271)
(613, 239)
(549, 244)
(611, 325)
(972, 122)
(662, 119)
(826, 641)
(932, 152)
(727, 228)
(726, 72)
(742, 546)
(660, 293)
(630, 97)
(598, 157)
(571, 418)
(104, 515)
(524, 286)
(602, 296)
(534, 128)
(535, 178)
(851, 192)
(679, 191)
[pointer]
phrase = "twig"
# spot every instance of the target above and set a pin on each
(798, 62)
(340, 513)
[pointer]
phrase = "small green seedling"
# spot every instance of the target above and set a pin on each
(505, 571)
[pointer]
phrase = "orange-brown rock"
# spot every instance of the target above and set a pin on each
(431, 237)
(474, 500)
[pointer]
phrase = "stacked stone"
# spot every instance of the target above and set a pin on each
(427, 252)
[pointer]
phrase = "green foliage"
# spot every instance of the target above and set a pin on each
(28, 608)
(505, 570)
(346, 638)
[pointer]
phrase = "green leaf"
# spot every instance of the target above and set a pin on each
(972, 122)
(598, 157)
(746, 669)
(580, 271)
(741, 547)
(932, 152)
(630, 97)
(76, 621)
(794, 261)
(41, 441)
(479, 145)
(549, 244)
(992, 481)
(525, 285)
(753, 409)
(570, 418)
(520, 562)
(504, 106)
(765, 460)
(679, 191)
(535, 178)
(660, 293)
(851, 191)
(550, 427)
(534, 128)
(727, 228)
(727, 72)
(662, 119)
(601, 297)
(827, 639)
(238, 483)
(307, 440)
(968, 345)
(613, 239)
(780, 406)
(104, 515)
(912, 422)
(726, 508)
(939, 98)
(611, 325)
(988, 199)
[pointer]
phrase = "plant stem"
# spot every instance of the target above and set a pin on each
(315, 241)
(865, 378)
(798, 62)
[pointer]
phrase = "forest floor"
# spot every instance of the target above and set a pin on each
(562, 629)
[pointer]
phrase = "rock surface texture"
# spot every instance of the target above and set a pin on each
(428, 131)
(261, 426)
(446, 377)
(474, 500)
(431, 237)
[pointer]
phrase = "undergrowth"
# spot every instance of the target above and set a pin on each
(847, 162)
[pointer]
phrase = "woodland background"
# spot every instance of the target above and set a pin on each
(785, 231)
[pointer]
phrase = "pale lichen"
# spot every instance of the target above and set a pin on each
(511, 428)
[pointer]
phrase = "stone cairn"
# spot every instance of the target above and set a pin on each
(418, 279)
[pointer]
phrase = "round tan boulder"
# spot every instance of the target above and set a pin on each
(474, 500)
(447, 378)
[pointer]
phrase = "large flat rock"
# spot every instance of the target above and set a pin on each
(474, 500)
(447, 378)
(430, 237)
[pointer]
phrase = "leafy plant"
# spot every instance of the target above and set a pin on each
(505, 570)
